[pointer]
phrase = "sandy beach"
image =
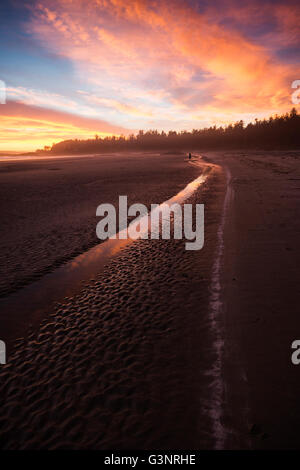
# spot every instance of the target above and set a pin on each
(122, 357)
(48, 205)
(163, 348)
(48, 209)
(261, 299)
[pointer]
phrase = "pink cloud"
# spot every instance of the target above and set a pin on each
(147, 47)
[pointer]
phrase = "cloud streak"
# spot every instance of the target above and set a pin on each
(26, 127)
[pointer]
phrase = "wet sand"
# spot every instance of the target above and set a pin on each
(170, 349)
(261, 298)
(128, 361)
(48, 211)
(48, 205)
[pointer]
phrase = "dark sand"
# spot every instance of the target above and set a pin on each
(48, 205)
(165, 348)
(48, 211)
(261, 299)
(127, 362)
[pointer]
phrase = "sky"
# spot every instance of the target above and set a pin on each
(76, 68)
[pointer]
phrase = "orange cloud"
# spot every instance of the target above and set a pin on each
(116, 105)
(150, 46)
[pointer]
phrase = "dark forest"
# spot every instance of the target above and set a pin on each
(273, 133)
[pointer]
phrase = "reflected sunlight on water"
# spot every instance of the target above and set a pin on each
(29, 304)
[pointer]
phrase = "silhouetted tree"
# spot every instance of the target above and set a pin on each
(275, 132)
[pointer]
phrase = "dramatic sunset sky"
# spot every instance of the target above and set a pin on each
(73, 68)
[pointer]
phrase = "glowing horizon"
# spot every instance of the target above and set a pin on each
(34, 127)
(75, 68)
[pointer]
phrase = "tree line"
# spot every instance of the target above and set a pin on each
(273, 133)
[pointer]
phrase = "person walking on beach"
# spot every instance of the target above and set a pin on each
(190, 155)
